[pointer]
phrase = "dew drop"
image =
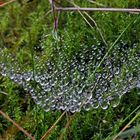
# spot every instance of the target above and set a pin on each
(115, 100)
(103, 104)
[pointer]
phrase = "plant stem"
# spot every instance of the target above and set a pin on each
(97, 9)
(17, 125)
(6, 3)
(52, 127)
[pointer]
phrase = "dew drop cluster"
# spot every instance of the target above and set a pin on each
(86, 79)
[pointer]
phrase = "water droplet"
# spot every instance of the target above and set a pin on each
(115, 100)
(64, 83)
(103, 104)
(87, 106)
(95, 103)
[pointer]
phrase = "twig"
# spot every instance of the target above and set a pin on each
(98, 29)
(52, 127)
(3, 92)
(66, 126)
(50, 1)
(126, 126)
(55, 18)
(19, 127)
(92, 26)
(97, 3)
(134, 111)
(6, 3)
(97, 9)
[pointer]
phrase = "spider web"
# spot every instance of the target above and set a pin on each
(68, 83)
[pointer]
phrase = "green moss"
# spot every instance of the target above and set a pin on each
(26, 29)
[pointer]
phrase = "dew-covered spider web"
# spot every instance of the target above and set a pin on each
(71, 83)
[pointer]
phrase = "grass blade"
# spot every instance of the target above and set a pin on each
(53, 126)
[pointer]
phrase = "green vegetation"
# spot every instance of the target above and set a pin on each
(27, 30)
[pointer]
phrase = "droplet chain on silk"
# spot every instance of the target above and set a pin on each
(64, 83)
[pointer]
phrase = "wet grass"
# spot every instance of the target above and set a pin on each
(27, 29)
